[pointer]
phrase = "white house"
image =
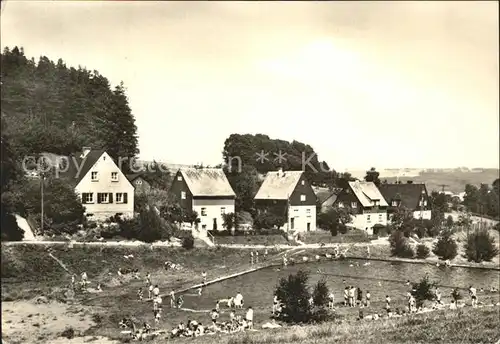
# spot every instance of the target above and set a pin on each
(206, 191)
(103, 189)
(368, 205)
(289, 193)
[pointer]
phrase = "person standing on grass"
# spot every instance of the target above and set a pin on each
(204, 276)
(84, 278)
(172, 299)
(148, 279)
(388, 304)
(473, 296)
(256, 257)
(352, 294)
(214, 315)
(367, 298)
(251, 257)
(438, 297)
(360, 297)
(140, 294)
(346, 296)
(217, 306)
(275, 304)
(265, 254)
(331, 299)
(156, 291)
(249, 317)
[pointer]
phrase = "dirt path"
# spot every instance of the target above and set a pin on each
(30, 322)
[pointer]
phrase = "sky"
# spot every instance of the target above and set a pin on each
(384, 84)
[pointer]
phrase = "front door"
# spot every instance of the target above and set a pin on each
(292, 223)
(308, 226)
(215, 224)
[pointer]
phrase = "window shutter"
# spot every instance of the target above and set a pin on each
(99, 198)
(110, 197)
(125, 197)
(84, 197)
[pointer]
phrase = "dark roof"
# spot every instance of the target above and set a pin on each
(408, 194)
(78, 167)
(134, 176)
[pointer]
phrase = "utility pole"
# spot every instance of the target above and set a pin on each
(42, 181)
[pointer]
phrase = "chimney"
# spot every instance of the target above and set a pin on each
(85, 151)
(280, 172)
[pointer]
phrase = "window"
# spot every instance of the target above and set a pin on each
(302, 198)
(296, 210)
(183, 194)
(104, 198)
(203, 211)
(179, 178)
(303, 182)
(138, 182)
(341, 205)
(394, 203)
(87, 198)
(425, 203)
(368, 218)
(308, 211)
(121, 197)
(380, 217)
(203, 226)
(93, 176)
(222, 210)
(421, 203)
(375, 203)
(114, 176)
(354, 205)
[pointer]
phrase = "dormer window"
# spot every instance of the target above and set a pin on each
(138, 182)
(93, 176)
(114, 176)
(179, 178)
(303, 182)
(354, 205)
(394, 203)
(341, 205)
(302, 198)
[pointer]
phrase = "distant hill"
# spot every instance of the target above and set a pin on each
(453, 179)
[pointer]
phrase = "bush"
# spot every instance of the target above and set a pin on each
(188, 241)
(400, 246)
(480, 246)
(423, 290)
(147, 227)
(445, 247)
(434, 231)
(423, 251)
(229, 221)
(268, 220)
(334, 231)
(294, 295)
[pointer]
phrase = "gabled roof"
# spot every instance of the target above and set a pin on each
(278, 185)
(207, 182)
(78, 167)
(134, 176)
(408, 194)
(367, 193)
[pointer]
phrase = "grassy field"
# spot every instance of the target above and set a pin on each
(269, 240)
(325, 237)
(462, 326)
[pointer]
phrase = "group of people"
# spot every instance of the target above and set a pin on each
(354, 297)
(254, 256)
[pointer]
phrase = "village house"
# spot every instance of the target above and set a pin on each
(367, 204)
(206, 191)
(290, 194)
(139, 182)
(410, 195)
(103, 188)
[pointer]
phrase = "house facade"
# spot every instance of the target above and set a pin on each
(102, 187)
(206, 191)
(411, 196)
(141, 185)
(289, 193)
(368, 205)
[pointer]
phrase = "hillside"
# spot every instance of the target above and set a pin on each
(49, 107)
(453, 180)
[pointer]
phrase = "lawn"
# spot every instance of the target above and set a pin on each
(325, 237)
(268, 240)
(462, 326)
